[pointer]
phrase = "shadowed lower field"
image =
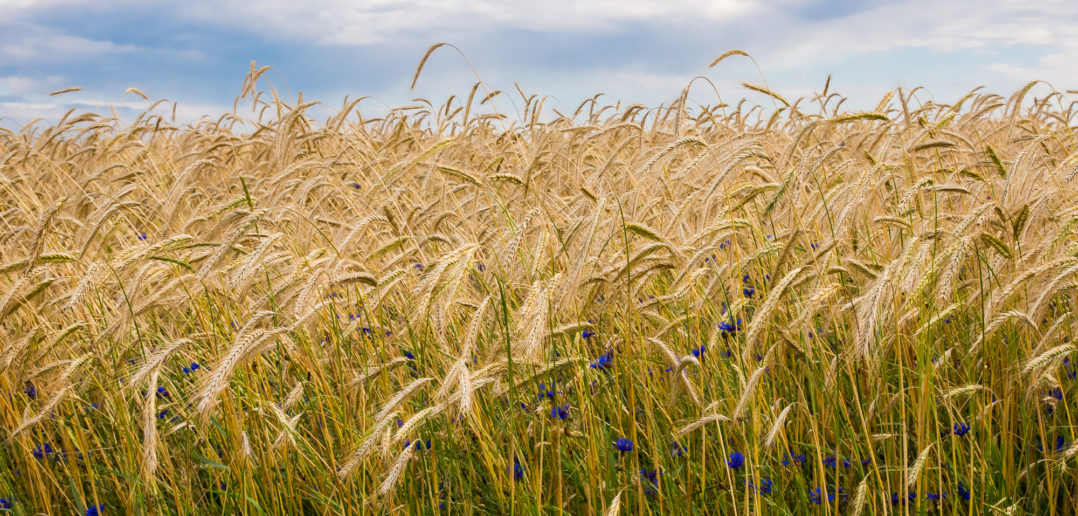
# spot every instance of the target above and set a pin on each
(447, 311)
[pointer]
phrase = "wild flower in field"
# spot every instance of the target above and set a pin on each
(748, 291)
(818, 495)
(765, 486)
(961, 429)
(735, 460)
(544, 392)
(162, 414)
(1056, 393)
(866, 461)
(963, 493)
(95, 510)
(43, 451)
(418, 444)
(30, 390)
(730, 328)
(793, 459)
(518, 469)
(698, 352)
(935, 497)
(901, 500)
(651, 477)
(587, 334)
(559, 412)
(1060, 444)
(162, 392)
(623, 444)
(5, 504)
(141, 237)
(355, 185)
(409, 355)
(677, 449)
(831, 461)
(604, 361)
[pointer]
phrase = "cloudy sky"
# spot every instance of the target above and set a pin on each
(197, 52)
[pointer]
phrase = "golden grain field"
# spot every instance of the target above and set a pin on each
(783, 308)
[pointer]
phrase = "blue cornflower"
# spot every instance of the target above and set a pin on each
(793, 459)
(677, 449)
(866, 462)
(355, 185)
(736, 460)
(544, 392)
(30, 390)
(518, 469)
(559, 412)
(623, 444)
(745, 278)
(817, 496)
(43, 451)
(699, 352)
(765, 486)
(409, 355)
(650, 475)
(604, 361)
(587, 334)
(963, 493)
(814, 245)
(5, 504)
(961, 429)
(933, 497)
(162, 392)
(418, 444)
(141, 236)
(195, 366)
(418, 266)
(748, 291)
(162, 414)
(186, 370)
(95, 510)
(1056, 393)
(730, 328)
(901, 500)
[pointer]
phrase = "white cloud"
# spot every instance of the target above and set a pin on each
(42, 44)
(344, 22)
(928, 24)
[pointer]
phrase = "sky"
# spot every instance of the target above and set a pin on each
(196, 52)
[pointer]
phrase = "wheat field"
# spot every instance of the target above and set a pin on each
(780, 307)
